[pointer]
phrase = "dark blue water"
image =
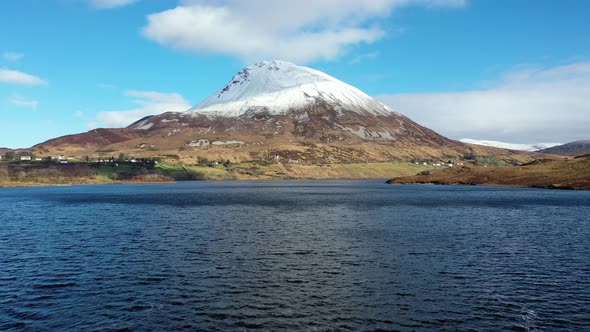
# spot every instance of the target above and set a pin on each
(328, 255)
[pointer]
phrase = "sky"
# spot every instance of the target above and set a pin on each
(515, 71)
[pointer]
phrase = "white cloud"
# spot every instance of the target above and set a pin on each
(150, 102)
(22, 102)
(12, 56)
(79, 114)
(18, 77)
(110, 4)
(300, 31)
(530, 105)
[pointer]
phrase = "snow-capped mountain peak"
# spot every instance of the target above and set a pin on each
(279, 86)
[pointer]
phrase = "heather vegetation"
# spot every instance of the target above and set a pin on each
(542, 173)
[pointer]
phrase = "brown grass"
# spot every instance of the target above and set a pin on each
(559, 174)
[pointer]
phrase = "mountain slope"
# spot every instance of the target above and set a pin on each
(577, 148)
(87, 143)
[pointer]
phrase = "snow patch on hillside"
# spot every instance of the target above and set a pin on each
(510, 146)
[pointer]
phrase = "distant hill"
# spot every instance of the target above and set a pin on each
(577, 148)
(4, 150)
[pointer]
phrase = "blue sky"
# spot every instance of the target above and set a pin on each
(516, 71)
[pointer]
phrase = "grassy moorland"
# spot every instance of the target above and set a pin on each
(554, 174)
(51, 173)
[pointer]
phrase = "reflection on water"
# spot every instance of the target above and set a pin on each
(295, 255)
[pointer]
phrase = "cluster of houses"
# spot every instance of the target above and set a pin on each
(61, 159)
(29, 158)
(66, 160)
(112, 160)
(439, 164)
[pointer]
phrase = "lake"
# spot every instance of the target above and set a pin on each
(293, 255)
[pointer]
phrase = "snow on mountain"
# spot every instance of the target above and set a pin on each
(510, 146)
(278, 86)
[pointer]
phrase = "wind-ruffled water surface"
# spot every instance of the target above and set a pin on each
(293, 255)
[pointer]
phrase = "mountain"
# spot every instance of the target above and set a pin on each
(276, 111)
(510, 146)
(577, 148)
(278, 87)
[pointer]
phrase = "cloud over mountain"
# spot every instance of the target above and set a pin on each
(528, 105)
(299, 31)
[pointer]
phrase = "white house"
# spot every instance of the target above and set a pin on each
(25, 158)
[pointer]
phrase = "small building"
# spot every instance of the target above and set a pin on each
(23, 158)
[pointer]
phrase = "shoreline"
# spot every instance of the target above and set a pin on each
(390, 182)
(35, 185)
(492, 185)
(43, 175)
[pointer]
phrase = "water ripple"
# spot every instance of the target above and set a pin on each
(331, 255)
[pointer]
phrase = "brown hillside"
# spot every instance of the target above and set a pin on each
(544, 173)
(309, 136)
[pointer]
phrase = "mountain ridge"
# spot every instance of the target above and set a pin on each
(572, 149)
